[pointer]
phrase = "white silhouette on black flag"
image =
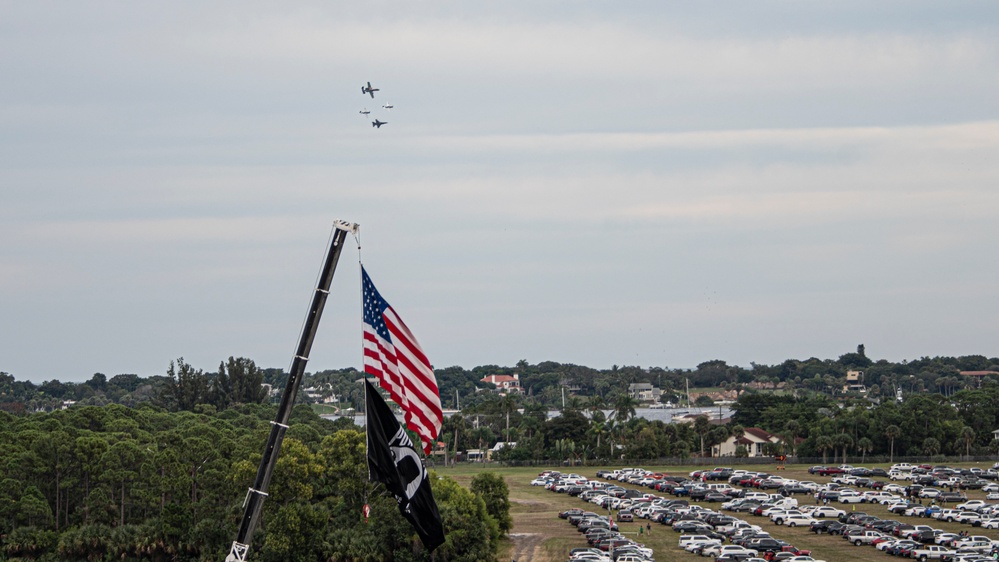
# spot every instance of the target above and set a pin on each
(393, 461)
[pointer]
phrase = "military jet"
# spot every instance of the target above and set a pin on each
(377, 123)
(388, 106)
(369, 90)
(365, 111)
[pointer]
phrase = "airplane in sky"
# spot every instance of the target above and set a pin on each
(388, 106)
(365, 111)
(377, 123)
(369, 90)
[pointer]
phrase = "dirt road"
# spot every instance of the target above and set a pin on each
(526, 546)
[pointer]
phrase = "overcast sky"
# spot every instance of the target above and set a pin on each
(635, 183)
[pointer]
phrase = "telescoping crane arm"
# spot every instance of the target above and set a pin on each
(255, 496)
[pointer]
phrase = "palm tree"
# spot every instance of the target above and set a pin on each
(738, 432)
(611, 428)
(931, 446)
(893, 432)
(573, 404)
(508, 405)
(787, 437)
(845, 441)
(968, 435)
(596, 403)
(624, 407)
(598, 428)
(864, 445)
(565, 449)
(702, 425)
(824, 443)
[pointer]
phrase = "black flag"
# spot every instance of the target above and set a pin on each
(393, 461)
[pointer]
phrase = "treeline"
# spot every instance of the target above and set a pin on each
(117, 483)
(805, 424)
(183, 387)
(239, 380)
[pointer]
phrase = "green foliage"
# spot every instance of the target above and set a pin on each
(493, 491)
(29, 542)
(293, 533)
(471, 532)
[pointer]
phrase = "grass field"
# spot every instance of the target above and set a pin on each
(538, 534)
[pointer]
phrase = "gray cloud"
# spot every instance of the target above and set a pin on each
(646, 184)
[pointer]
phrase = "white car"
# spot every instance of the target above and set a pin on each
(686, 540)
(967, 517)
(944, 538)
(827, 511)
(948, 515)
(971, 505)
(990, 523)
(796, 520)
(929, 493)
(850, 497)
(718, 550)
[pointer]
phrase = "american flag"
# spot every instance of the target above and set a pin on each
(392, 354)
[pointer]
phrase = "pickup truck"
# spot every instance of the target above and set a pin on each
(865, 537)
(930, 552)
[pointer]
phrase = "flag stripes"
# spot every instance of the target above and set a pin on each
(395, 358)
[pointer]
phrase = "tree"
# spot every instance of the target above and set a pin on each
(824, 443)
(570, 425)
(596, 403)
(294, 533)
(119, 467)
(702, 426)
(864, 445)
(598, 428)
(968, 435)
(187, 386)
(931, 446)
(738, 432)
(33, 509)
(493, 491)
(565, 449)
(624, 407)
(893, 432)
(472, 535)
(843, 441)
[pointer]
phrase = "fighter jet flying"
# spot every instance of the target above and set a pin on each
(365, 111)
(369, 90)
(388, 106)
(377, 123)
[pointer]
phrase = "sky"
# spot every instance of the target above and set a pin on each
(645, 183)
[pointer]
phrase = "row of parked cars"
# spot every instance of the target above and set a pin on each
(703, 531)
(746, 492)
(926, 475)
(920, 542)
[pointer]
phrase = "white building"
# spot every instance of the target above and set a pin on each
(753, 438)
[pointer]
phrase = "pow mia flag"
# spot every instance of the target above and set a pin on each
(393, 461)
